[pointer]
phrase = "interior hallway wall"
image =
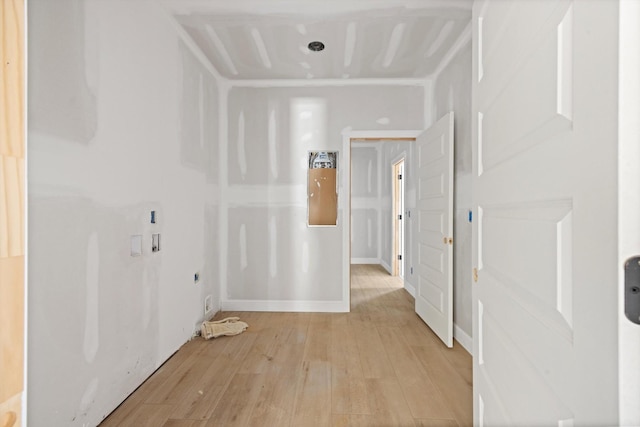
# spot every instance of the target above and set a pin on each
(275, 260)
(122, 121)
(452, 92)
(366, 204)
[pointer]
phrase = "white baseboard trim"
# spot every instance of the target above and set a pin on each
(365, 261)
(386, 266)
(410, 288)
(288, 306)
(463, 339)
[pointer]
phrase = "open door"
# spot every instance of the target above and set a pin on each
(398, 218)
(545, 218)
(434, 294)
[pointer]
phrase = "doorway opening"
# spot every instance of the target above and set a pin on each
(373, 213)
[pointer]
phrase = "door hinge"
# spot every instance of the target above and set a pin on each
(400, 176)
(399, 257)
(475, 275)
(400, 217)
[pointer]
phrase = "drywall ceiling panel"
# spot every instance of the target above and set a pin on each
(389, 39)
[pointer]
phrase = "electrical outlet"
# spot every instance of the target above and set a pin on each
(208, 304)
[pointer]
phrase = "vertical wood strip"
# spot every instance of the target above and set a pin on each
(12, 214)
(11, 104)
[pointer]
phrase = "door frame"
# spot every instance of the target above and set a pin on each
(398, 231)
(344, 198)
(13, 305)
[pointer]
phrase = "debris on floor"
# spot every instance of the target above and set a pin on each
(225, 327)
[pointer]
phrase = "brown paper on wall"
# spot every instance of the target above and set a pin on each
(323, 198)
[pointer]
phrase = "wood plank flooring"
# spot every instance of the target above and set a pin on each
(378, 365)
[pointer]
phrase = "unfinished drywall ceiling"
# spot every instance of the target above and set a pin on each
(363, 39)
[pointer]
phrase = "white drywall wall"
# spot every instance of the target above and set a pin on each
(122, 121)
(452, 92)
(275, 260)
(365, 203)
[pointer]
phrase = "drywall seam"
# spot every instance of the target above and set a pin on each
(461, 41)
(188, 41)
(242, 155)
(264, 195)
(326, 82)
(286, 306)
(427, 98)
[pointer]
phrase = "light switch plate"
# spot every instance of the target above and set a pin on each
(136, 245)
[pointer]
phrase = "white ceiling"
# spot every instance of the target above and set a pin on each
(267, 39)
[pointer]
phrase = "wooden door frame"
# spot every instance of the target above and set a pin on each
(13, 247)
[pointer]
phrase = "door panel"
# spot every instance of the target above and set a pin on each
(434, 296)
(544, 185)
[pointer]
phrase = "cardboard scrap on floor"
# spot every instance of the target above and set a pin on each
(225, 327)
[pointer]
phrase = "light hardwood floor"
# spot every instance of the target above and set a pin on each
(378, 365)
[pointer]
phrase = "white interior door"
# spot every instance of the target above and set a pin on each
(434, 294)
(398, 218)
(544, 196)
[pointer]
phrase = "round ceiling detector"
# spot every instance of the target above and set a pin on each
(316, 46)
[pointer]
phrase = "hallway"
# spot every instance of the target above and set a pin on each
(378, 365)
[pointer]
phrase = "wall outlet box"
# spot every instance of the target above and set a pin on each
(208, 304)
